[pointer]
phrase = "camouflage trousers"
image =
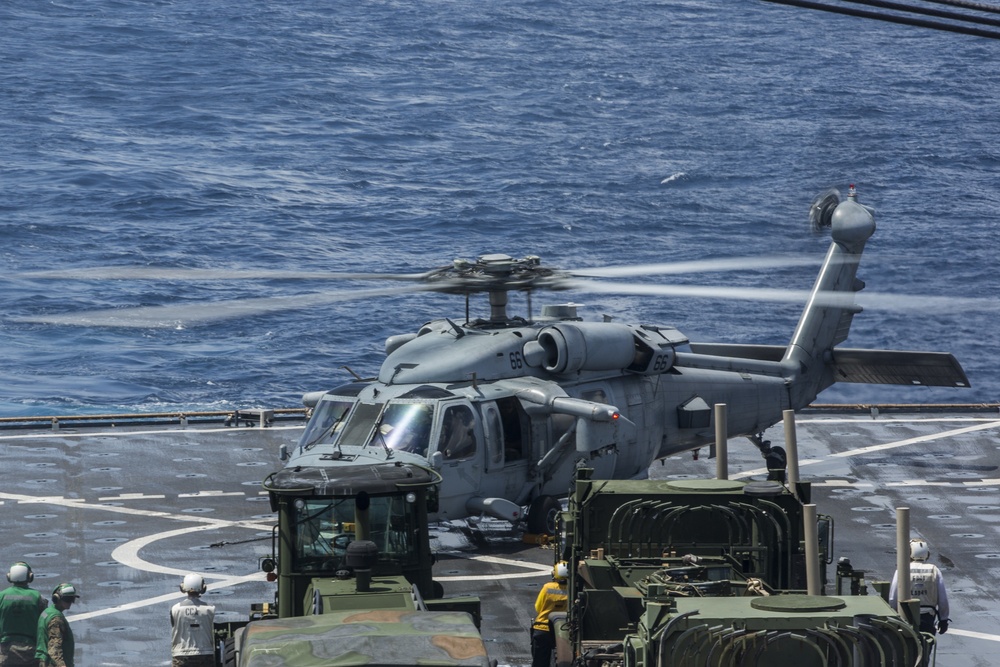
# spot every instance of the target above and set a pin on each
(193, 661)
(17, 655)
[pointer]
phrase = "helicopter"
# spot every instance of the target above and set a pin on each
(506, 408)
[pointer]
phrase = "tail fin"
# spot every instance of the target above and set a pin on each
(811, 363)
(827, 317)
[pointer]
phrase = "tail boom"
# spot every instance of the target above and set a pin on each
(827, 317)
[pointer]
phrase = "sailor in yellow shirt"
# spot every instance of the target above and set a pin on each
(553, 597)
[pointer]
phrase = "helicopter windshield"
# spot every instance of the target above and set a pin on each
(325, 527)
(405, 427)
(327, 422)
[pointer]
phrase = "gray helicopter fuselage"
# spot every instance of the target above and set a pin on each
(528, 422)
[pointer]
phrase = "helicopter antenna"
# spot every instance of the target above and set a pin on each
(458, 330)
(356, 376)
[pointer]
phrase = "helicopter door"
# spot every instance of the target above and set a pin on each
(458, 457)
(505, 462)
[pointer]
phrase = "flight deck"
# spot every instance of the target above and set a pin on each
(123, 508)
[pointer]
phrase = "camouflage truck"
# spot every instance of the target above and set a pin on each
(711, 572)
(352, 561)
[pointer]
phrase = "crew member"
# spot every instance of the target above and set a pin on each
(192, 620)
(927, 586)
(552, 598)
(55, 646)
(20, 607)
(458, 437)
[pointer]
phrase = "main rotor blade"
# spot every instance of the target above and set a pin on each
(926, 304)
(696, 266)
(157, 273)
(694, 291)
(175, 316)
(868, 300)
(193, 274)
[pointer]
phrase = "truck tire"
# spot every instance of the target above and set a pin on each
(229, 652)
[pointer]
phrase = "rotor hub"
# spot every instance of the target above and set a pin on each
(496, 273)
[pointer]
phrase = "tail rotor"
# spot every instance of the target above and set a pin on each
(821, 210)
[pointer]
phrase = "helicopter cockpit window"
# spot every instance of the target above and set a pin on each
(324, 529)
(405, 427)
(359, 424)
(326, 423)
(458, 434)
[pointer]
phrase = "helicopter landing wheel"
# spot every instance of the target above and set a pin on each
(543, 515)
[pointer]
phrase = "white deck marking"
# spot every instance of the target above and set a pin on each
(225, 583)
(131, 496)
(974, 635)
(921, 438)
(210, 494)
(535, 569)
(128, 553)
(56, 433)
(982, 426)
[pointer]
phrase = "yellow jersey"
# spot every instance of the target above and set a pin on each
(552, 597)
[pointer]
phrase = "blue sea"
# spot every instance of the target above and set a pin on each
(386, 136)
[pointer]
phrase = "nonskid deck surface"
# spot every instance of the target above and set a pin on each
(125, 511)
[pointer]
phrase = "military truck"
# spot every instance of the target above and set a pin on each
(352, 561)
(713, 572)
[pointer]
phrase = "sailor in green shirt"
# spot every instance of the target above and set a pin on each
(20, 607)
(55, 639)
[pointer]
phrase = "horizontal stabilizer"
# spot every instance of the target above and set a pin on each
(915, 369)
(927, 369)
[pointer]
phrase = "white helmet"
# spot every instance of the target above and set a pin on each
(193, 583)
(20, 573)
(560, 571)
(919, 551)
(66, 592)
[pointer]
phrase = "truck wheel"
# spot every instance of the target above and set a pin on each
(229, 652)
(543, 515)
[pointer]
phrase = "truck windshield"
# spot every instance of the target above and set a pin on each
(325, 527)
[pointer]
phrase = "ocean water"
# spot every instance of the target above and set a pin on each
(396, 136)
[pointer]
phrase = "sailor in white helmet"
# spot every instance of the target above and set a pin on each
(927, 586)
(20, 607)
(192, 620)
